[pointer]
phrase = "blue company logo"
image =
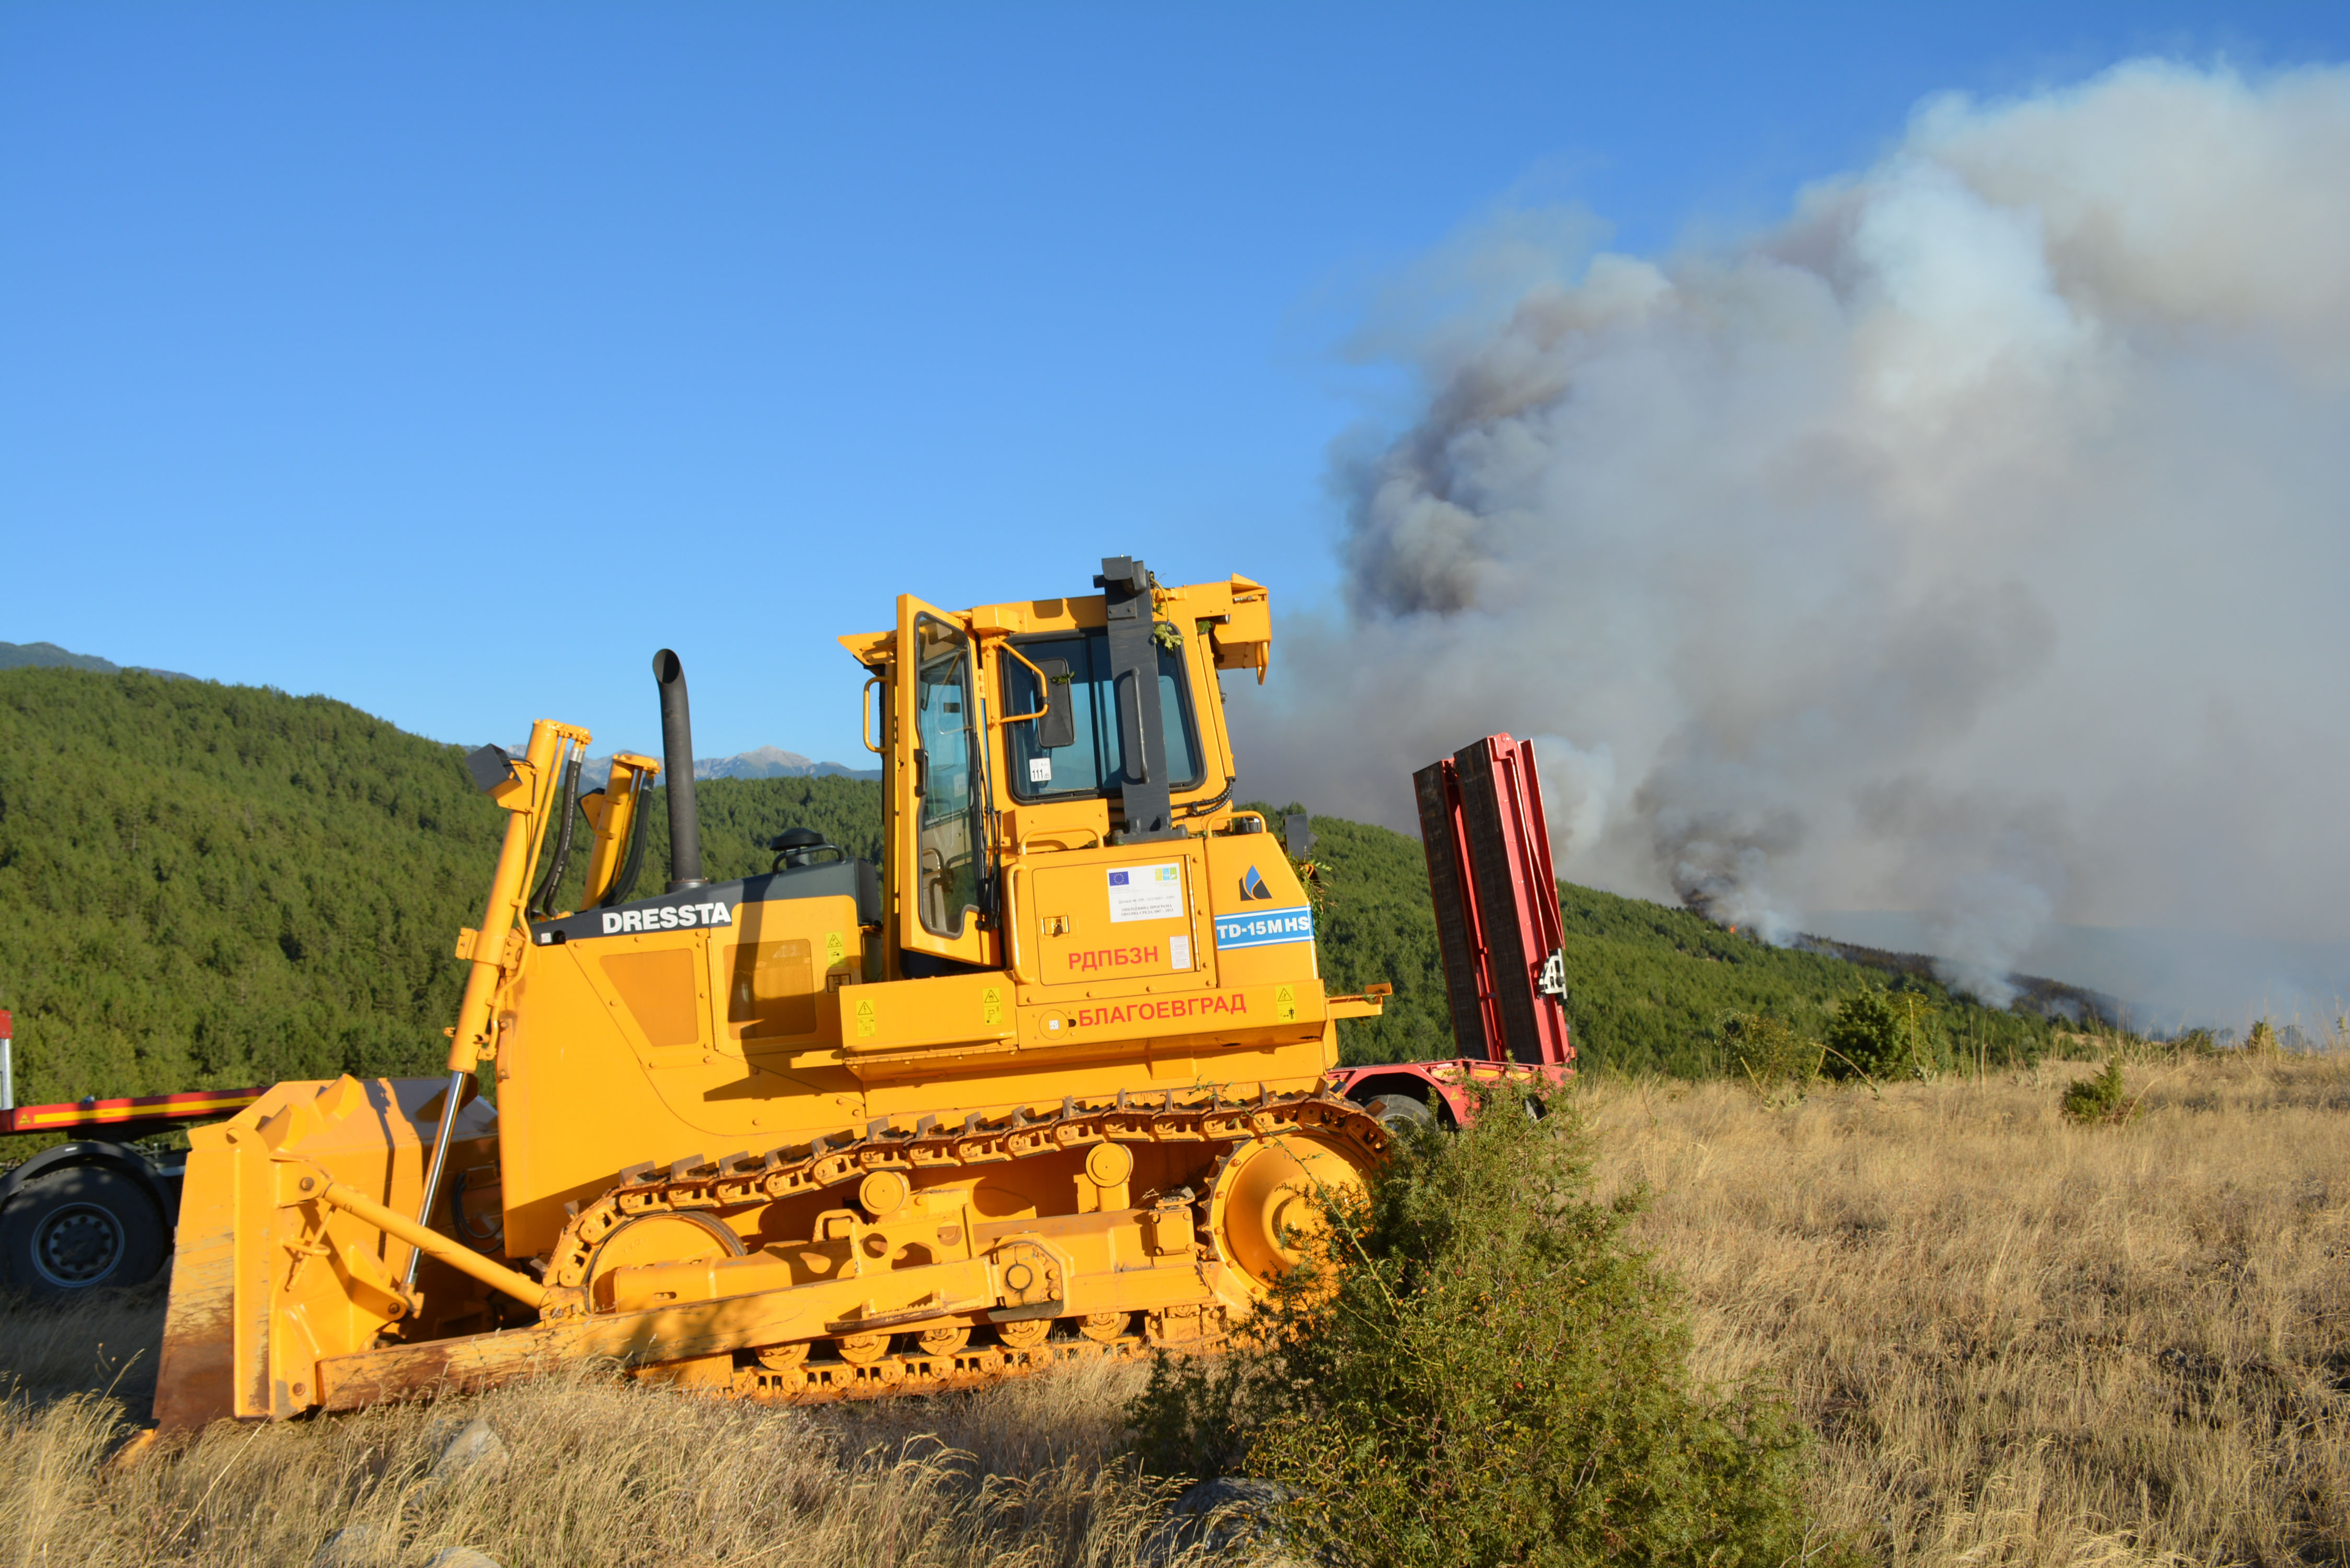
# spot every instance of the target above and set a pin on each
(1252, 886)
(1263, 927)
(1117, 879)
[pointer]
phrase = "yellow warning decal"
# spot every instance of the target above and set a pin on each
(991, 1005)
(835, 950)
(865, 1024)
(1285, 1004)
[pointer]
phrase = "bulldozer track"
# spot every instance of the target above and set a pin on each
(736, 1182)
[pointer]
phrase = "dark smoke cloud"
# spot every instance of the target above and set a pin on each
(1973, 542)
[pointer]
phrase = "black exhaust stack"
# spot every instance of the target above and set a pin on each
(677, 762)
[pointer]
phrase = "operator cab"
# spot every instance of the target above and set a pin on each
(1043, 727)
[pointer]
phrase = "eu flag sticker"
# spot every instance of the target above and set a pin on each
(1148, 893)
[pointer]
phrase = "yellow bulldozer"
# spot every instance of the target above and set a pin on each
(1049, 1082)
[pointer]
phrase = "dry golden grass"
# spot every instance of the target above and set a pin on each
(2023, 1340)
(108, 1345)
(2020, 1342)
(599, 1471)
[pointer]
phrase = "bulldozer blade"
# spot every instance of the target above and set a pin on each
(270, 1280)
(193, 1386)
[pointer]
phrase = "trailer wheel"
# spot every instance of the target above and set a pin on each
(1399, 1110)
(77, 1229)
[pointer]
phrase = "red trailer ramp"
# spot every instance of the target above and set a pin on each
(1489, 871)
(1497, 922)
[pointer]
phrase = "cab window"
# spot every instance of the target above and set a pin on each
(947, 830)
(1075, 749)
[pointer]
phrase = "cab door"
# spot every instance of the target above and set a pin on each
(943, 864)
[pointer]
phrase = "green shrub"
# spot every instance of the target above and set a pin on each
(2099, 1099)
(1778, 1060)
(1485, 1371)
(1865, 1036)
(1880, 1036)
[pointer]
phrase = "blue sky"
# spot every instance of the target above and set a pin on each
(450, 359)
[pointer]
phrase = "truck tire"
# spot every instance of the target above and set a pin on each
(78, 1229)
(1399, 1110)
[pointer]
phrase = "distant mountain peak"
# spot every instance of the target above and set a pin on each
(49, 655)
(766, 763)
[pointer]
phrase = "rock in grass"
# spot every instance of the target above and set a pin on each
(348, 1547)
(1223, 1515)
(475, 1448)
(462, 1557)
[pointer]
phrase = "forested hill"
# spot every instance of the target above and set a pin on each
(208, 885)
(205, 885)
(1648, 986)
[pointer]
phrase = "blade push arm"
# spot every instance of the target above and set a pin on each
(527, 787)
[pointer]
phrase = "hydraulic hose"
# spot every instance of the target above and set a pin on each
(1213, 803)
(551, 888)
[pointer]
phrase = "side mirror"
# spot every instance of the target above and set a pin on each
(1296, 835)
(1058, 727)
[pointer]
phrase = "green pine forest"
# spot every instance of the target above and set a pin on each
(211, 885)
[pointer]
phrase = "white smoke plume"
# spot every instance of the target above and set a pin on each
(1975, 541)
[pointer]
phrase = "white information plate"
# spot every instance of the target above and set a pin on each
(1146, 892)
(1264, 927)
